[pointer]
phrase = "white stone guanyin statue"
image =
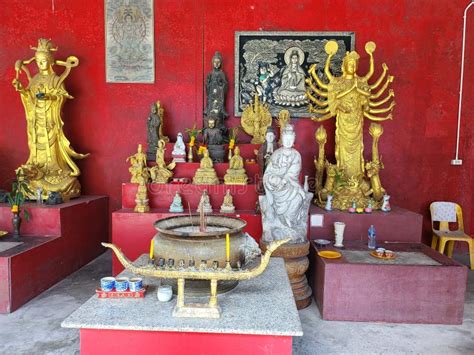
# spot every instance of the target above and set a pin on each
(285, 204)
(179, 150)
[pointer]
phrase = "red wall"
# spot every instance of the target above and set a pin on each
(419, 40)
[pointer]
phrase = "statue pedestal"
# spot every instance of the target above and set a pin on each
(296, 264)
(56, 241)
(419, 286)
(399, 225)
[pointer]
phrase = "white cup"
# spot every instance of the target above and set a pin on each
(165, 293)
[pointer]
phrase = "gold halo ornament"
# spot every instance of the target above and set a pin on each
(331, 47)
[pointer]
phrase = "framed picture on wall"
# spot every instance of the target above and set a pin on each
(274, 65)
(129, 44)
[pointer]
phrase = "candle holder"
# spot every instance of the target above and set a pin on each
(213, 274)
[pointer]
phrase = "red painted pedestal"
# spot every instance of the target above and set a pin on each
(105, 341)
(389, 293)
(57, 241)
(399, 225)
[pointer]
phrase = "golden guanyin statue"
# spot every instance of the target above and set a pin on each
(236, 174)
(161, 172)
(255, 120)
(50, 166)
(350, 99)
(206, 175)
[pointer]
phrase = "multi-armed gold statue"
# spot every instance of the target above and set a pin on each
(255, 120)
(350, 99)
(50, 166)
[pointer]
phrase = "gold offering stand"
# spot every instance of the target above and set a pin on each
(213, 274)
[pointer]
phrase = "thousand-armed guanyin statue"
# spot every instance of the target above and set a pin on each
(50, 164)
(350, 99)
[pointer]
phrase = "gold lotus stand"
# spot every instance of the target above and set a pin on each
(181, 273)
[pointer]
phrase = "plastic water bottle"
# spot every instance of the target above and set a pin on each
(371, 234)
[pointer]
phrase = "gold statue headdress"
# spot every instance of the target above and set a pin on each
(45, 46)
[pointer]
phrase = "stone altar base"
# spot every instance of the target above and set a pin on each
(296, 264)
(399, 225)
(258, 317)
(56, 241)
(422, 286)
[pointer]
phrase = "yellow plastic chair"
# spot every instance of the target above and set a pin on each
(444, 235)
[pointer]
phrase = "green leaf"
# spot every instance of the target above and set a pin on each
(27, 215)
(27, 189)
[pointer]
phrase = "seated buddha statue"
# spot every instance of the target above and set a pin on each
(236, 174)
(228, 203)
(177, 204)
(206, 175)
(204, 203)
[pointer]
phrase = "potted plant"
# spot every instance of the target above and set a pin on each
(16, 198)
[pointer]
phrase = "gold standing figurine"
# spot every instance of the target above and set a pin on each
(206, 175)
(255, 120)
(161, 173)
(141, 198)
(350, 99)
(50, 166)
(137, 166)
(236, 174)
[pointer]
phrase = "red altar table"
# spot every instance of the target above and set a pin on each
(431, 291)
(56, 241)
(399, 225)
(259, 316)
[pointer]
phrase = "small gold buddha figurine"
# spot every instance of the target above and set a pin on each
(206, 175)
(138, 165)
(161, 173)
(204, 203)
(236, 174)
(141, 198)
(228, 203)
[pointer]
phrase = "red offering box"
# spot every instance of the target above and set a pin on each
(122, 294)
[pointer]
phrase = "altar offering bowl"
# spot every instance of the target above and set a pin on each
(164, 293)
(135, 284)
(107, 284)
(183, 238)
(121, 284)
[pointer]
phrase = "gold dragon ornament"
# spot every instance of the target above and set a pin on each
(350, 99)
(255, 120)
